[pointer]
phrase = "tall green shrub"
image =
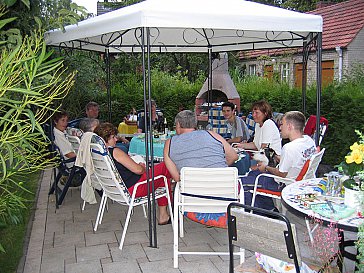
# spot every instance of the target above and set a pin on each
(30, 83)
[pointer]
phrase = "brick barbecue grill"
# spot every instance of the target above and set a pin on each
(223, 89)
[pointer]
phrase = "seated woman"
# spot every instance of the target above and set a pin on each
(132, 172)
(266, 131)
(132, 116)
(60, 120)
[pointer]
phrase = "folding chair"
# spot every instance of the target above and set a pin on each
(218, 122)
(75, 142)
(250, 123)
(249, 231)
(114, 187)
(74, 123)
(310, 127)
(203, 190)
(65, 167)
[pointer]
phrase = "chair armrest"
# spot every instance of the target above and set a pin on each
(286, 181)
(146, 181)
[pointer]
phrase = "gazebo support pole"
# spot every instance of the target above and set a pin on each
(145, 43)
(154, 222)
(209, 80)
(146, 121)
(304, 75)
(108, 84)
(319, 85)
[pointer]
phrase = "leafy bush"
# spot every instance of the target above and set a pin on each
(30, 83)
(339, 103)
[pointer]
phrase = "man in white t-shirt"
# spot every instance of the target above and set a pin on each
(293, 157)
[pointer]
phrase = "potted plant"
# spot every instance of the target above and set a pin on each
(353, 167)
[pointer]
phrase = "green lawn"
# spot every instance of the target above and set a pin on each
(12, 237)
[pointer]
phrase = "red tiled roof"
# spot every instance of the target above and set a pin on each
(341, 23)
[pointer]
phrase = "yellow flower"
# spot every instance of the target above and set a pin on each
(355, 146)
(361, 148)
(355, 156)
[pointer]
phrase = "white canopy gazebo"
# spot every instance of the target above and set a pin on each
(204, 26)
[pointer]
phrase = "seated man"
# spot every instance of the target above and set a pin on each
(89, 124)
(92, 111)
(236, 126)
(157, 120)
(195, 148)
(293, 157)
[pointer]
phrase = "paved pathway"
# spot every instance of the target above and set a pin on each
(63, 240)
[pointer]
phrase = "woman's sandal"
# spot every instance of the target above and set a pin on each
(166, 222)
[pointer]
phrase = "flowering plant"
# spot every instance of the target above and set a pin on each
(354, 162)
(325, 243)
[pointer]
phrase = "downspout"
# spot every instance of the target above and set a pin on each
(340, 53)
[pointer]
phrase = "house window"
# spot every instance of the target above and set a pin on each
(285, 72)
(298, 75)
(268, 71)
(252, 70)
(327, 72)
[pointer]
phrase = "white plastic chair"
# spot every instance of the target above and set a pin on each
(74, 132)
(114, 187)
(75, 142)
(311, 165)
(203, 190)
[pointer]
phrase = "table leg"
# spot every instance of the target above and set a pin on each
(343, 253)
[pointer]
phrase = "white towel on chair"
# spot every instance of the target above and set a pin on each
(84, 160)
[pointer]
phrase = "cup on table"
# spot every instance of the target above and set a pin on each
(334, 183)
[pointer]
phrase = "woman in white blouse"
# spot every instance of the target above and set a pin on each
(266, 131)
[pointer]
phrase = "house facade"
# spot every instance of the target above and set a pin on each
(342, 49)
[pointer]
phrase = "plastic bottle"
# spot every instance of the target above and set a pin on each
(209, 127)
(165, 126)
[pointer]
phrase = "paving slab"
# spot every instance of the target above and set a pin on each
(91, 253)
(164, 266)
(122, 267)
(73, 239)
(52, 265)
(63, 240)
(98, 238)
(134, 237)
(198, 266)
(61, 252)
(83, 267)
(129, 252)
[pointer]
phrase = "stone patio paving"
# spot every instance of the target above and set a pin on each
(63, 240)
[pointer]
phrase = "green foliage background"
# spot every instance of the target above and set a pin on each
(342, 104)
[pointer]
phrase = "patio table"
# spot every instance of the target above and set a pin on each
(291, 195)
(137, 147)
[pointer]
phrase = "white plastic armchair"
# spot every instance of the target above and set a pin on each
(308, 171)
(114, 187)
(203, 190)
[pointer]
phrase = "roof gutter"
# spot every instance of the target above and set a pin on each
(340, 53)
